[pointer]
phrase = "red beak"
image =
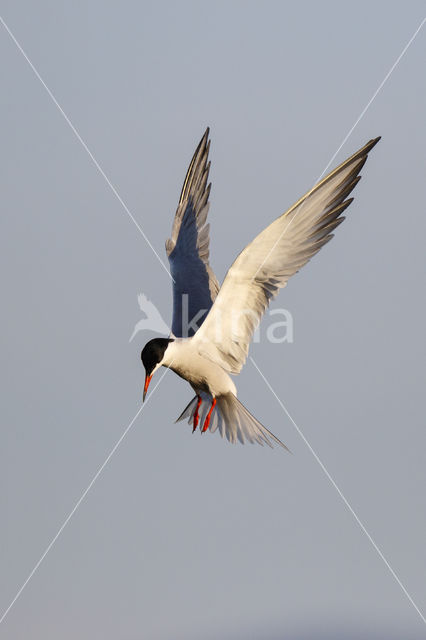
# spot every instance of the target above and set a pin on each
(145, 389)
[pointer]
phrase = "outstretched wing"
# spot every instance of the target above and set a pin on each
(194, 284)
(267, 263)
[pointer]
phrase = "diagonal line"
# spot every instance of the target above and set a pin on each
(82, 497)
(319, 461)
(345, 501)
(375, 94)
(85, 147)
(115, 192)
(357, 121)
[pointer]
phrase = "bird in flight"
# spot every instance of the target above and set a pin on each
(153, 320)
(228, 315)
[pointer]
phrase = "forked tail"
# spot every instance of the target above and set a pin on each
(232, 420)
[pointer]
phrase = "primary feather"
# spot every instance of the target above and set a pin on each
(267, 263)
(194, 283)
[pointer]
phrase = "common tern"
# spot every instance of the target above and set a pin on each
(229, 314)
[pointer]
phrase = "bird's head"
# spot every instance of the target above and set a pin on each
(153, 357)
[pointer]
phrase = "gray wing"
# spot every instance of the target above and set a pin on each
(194, 284)
(267, 263)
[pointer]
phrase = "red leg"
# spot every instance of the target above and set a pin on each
(196, 415)
(208, 416)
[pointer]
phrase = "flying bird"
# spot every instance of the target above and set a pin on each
(153, 320)
(228, 315)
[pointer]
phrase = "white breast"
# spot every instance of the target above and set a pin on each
(183, 358)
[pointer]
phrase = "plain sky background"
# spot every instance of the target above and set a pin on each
(187, 537)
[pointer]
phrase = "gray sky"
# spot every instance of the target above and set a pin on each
(185, 536)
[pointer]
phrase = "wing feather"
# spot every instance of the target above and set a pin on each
(194, 284)
(267, 263)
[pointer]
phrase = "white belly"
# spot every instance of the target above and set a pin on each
(201, 373)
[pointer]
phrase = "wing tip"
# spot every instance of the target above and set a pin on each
(371, 143)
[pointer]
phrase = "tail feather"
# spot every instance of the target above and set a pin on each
(188, 411)
(232, 419)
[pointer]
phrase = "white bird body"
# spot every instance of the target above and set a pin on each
(182, 356)
(227, 316)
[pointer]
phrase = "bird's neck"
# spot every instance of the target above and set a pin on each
(174, 352)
